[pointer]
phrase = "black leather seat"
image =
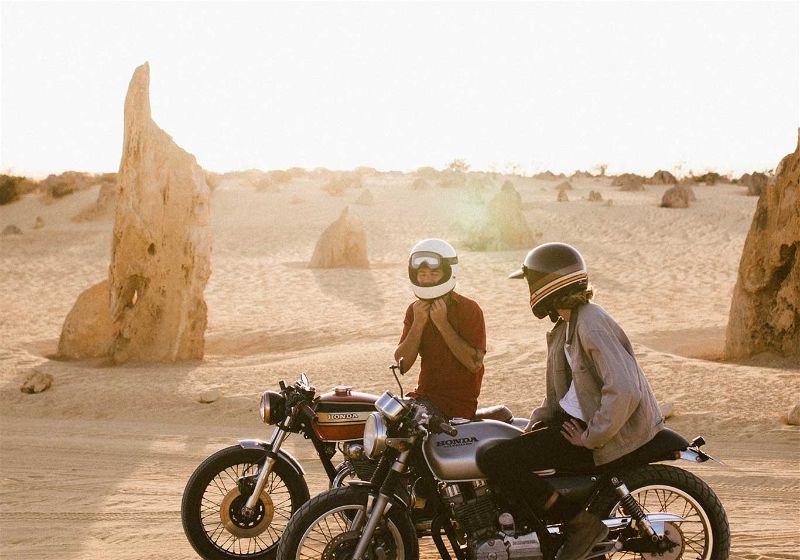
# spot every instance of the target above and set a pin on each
(497, 412)
(663, 447)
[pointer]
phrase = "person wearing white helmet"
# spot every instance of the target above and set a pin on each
(445, 329)
(598, 405)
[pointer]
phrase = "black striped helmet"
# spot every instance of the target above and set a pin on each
(552, 270)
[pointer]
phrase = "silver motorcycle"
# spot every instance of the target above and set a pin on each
(652, 510)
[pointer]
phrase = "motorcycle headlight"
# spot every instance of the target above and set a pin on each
(375, 433)
(273, 407)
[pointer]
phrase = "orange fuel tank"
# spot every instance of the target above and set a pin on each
(342, 413)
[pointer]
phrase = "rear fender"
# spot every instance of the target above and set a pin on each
(282, 455)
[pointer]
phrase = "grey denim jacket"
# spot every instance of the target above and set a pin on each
(612, 390)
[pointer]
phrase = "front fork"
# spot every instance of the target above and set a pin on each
(381, 504)
(275, 442)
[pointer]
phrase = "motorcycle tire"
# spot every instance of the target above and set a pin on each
(211, 501)
(668, 488)
(398, 525)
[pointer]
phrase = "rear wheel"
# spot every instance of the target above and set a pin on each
(703, 533)
(212, 503)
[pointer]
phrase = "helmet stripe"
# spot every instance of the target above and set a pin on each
(548, 289)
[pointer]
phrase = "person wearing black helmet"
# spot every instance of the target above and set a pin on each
(445, 329)
(598, 404)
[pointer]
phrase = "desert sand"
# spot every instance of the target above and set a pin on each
(95, 466)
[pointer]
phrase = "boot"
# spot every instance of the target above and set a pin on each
(582, 533)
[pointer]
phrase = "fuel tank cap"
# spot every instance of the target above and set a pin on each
(342, 390)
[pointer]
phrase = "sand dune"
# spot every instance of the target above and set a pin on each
(95, 466)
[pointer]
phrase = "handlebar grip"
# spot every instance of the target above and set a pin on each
(448, 429)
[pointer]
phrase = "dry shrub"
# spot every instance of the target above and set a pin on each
(9, 188)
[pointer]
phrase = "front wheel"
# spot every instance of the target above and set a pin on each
(212, 503)
(323, 529)
(703, 534)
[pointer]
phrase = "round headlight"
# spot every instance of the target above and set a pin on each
(273, 407)
(375, 433)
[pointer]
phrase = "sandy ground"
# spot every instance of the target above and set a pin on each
(95, 466)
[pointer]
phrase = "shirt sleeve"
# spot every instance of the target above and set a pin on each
(473, 328)
(407, 322)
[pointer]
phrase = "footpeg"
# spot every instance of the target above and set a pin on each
(605, 547)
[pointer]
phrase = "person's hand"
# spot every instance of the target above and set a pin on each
(421, 313)
(572, 430)
(439, 313)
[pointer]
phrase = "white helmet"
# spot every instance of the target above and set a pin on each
(435, 254)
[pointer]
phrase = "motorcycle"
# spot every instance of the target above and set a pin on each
(238, 501)
(652, 510)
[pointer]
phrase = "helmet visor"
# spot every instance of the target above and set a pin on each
(433, 261)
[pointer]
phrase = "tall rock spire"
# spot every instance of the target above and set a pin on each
(161, 248)
(765, 310)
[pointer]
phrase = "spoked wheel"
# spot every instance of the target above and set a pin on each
(702, 534)
(328, 528)
(213, 500)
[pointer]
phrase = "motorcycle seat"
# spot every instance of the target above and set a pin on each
(498, 412)
(662, 447)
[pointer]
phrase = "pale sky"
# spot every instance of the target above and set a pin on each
(559, 86)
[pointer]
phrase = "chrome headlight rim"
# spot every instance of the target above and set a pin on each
(272, 408)
(375, 433)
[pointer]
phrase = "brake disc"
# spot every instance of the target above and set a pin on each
(230, 513)
(342, 546)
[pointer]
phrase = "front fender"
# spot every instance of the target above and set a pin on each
(282, 455)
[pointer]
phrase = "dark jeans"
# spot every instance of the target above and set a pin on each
(509, 465)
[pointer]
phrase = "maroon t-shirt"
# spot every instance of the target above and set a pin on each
(442, 378)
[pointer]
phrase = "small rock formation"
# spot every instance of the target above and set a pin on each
(595, 196)
(563, 186)
(709, 178)
(765, 309)
(662, 177)
(342, 245)
(562, 196)
(628, 182)
(209, 396)
(161, 247)
(37, 382)
(547, 176)
(39, 224)
(365, 198)
(102, 207)
(420, 184)
(793, 415)
(505, 226)
(88, 331)
(755, 183)
(581, 175)
(12, 230)
(334, 187)
(678, 196)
